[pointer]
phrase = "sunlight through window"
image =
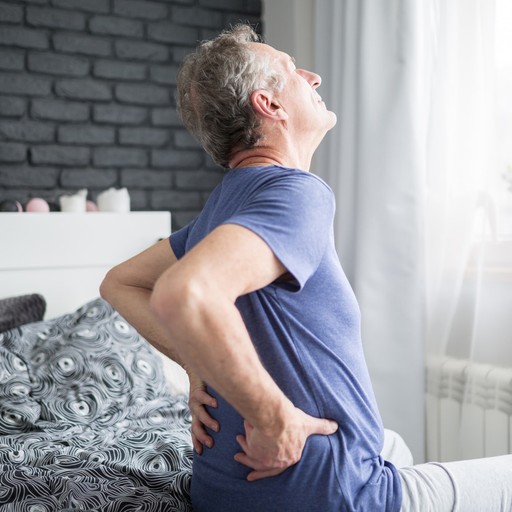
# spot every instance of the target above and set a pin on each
(503, 104)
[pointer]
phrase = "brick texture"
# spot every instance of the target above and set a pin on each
(55, 18)
(10, 13)
(87, 99)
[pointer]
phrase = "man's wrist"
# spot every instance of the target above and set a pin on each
(275, 417)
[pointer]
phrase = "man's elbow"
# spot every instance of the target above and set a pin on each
(108, 285)
(174, 299)
(164, 300)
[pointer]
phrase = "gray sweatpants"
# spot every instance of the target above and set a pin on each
(478, 485)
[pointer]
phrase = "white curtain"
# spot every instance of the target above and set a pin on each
(407, 79)
(460, 207)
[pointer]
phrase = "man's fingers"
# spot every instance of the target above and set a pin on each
(270, 459)
(202, 415)
(197, 402)
(243, 443)
(258, 475)
(244, 459)
(321, 426)
(258, 464)
(200, 435)
(204, 398)
(248, 427)
(198, 447)
(260, 470)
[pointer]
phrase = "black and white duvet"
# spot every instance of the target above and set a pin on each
(86, 420)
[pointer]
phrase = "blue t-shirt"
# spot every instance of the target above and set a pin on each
(307, 335)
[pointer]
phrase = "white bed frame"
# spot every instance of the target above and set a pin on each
(64, 257)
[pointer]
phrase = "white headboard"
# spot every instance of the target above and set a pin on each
(64, 256)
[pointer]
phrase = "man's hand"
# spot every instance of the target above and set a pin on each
(271, 454)
(198, 399)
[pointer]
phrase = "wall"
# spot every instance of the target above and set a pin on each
(289, 27)
(87, 99)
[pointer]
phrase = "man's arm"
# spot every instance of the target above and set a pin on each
(128, 287)
(194, 300)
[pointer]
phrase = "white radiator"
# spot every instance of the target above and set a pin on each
(469, 409)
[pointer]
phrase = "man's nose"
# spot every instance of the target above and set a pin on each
(312, 78)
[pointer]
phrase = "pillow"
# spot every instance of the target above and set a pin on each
(24, 309)
(86, 420)
(85, 367)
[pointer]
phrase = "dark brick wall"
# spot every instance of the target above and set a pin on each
(87, 99)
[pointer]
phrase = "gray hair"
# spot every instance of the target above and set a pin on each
(214, 90)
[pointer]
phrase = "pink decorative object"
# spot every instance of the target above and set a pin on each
(90, 206)
(37, 205)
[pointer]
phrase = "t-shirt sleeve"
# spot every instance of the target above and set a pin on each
(178, 240)
(293, 214)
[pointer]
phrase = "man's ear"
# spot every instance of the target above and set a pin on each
(266, 105)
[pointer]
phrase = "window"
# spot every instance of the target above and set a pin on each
(503, 117)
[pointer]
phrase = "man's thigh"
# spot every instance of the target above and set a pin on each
(395, 450)
(478, 485)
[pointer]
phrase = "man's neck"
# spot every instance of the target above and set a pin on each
(263, 156)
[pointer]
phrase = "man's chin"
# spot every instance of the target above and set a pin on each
(332, 121)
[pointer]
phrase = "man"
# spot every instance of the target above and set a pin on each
(250, 298)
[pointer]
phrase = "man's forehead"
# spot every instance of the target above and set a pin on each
(270, 50)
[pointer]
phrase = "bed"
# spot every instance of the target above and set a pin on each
(91, 416)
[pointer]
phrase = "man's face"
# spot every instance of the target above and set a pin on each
(304, 106)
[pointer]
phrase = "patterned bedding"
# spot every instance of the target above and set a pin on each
(87, 421)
